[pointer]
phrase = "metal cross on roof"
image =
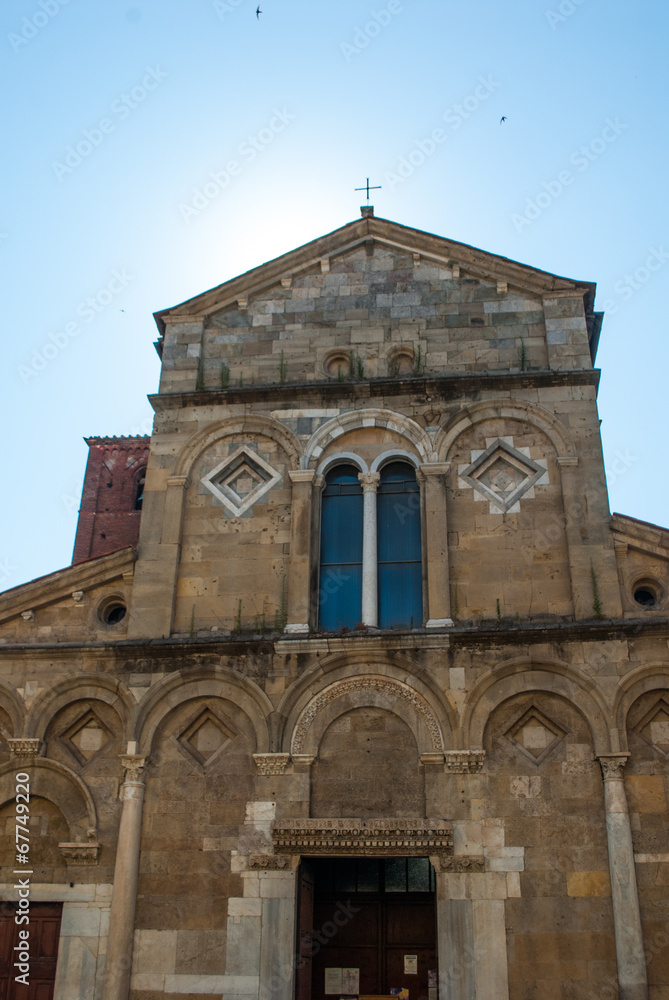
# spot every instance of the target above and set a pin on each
(367, 188)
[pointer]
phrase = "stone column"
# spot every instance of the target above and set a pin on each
(436, 545)
(126, 870)
(370, 596)
(630, 956)
(299, 564)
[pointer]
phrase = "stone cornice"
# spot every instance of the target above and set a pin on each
(61, 584)
(123, 651)
(437, 387)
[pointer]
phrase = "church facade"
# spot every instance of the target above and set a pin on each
(377, 702)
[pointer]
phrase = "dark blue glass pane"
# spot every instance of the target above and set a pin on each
(341, 529)
(343, 474)
(400, 595)
(340, 597)
(398, 476)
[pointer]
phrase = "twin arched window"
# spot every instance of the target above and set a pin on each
(383, 578)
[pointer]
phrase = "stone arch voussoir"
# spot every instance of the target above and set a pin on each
(13, 705)
(84, 687)
(355, 419)
(505, 409)
(214, 683)
(54, 781)
(204, 438)
(523, 676)
(651, 677)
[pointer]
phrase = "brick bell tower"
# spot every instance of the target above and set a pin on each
(111, 499)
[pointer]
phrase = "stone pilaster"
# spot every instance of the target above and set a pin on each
(299, 565)
(370, 589)
(630, 957)
(435, 534)
(126, 871)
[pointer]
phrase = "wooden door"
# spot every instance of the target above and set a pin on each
(305, 923)
(44, 928)
(373, 930)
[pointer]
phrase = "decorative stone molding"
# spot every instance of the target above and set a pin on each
(342, 688)
(432, 758)
(612, 765)
(502, 475)
(78, 596)
(273, 862)
(133, 765)
(271, 763)
(26, 749)
(80, 854)
(304, 759)
(28, 616)
(297, 628)
(462, 863)
(301, 475)
(464, 761)
(377, 837)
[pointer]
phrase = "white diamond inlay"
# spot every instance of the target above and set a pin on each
(502, 475)
(241, 479)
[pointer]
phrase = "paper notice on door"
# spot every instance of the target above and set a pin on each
(350, 981)
(333, 981)
(411, 965)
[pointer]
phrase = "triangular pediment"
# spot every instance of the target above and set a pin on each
(63, 584)
(464, 260)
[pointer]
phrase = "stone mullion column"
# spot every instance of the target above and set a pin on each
(436, 545)
(370, 586)
(630, 956)
(124, 892)
(299, 564)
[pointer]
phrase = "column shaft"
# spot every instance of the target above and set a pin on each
(370, 595)
(630, 956)
(124, 893)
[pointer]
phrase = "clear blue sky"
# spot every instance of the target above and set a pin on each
(152, 97)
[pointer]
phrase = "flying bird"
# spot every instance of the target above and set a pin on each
(502, 119)
(258, 12)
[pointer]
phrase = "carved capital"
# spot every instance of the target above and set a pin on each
(26, 750)
(461, 863)
(435, 468)
(612, 765)
(178, 481)
(464, 761)
(273, 862)
(369, 481)
(271, 763)
(80, 854)
(133, 765)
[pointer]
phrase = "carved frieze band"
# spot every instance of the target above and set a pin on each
(461, 864)
(26, 749)
(273, 862)
(379, 684)
(409, 837)
(464, 761)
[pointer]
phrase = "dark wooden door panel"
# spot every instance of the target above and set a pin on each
(44, 929)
